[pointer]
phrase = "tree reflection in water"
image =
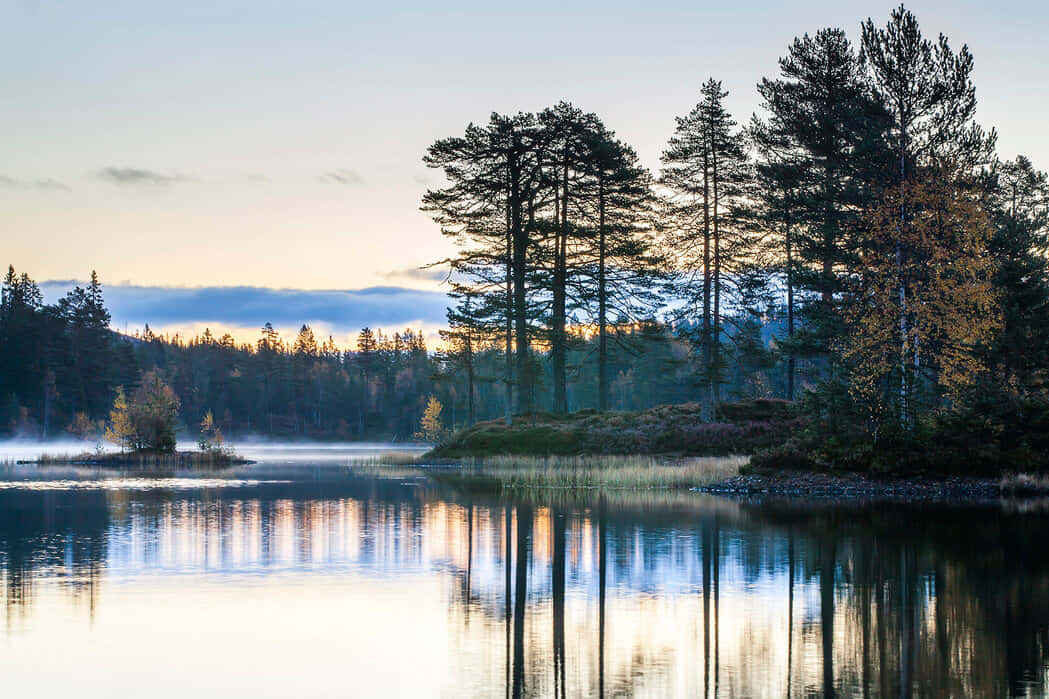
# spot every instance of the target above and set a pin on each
(679, 595)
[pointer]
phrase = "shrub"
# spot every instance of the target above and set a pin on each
(431, 426)
(146, 421)
(210, 439)
(84, 427)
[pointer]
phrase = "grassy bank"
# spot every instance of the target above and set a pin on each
(599, 472)
(740, 428)
(143, 459)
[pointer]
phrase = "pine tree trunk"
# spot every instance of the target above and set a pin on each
(602, 566)
(902, 285)
(706, 280)
(470, 411)
(524, 541)
(508, 378)
(558, 349)
(558, 599)
(827, 619)
(602, 304)
(790, 313)
(520, 251)
(715, 388)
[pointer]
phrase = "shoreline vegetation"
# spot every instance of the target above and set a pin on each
(743, 427)
(143, 459)
(732, 476)
(671, 447)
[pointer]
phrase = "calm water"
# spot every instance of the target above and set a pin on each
(301, 576)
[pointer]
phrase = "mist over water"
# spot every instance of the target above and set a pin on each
(29, 449)
(302, 575)
(253, 448)
(317, 452)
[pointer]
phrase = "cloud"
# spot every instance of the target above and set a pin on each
(135, 176)
(426, 274)
(343, 310)
(256, 177)
(342, 176)
(43, 185)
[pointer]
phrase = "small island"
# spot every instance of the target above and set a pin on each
(143, 424)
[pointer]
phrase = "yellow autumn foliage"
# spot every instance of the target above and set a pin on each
(938, 254)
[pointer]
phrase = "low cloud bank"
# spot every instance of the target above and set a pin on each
(344, 311)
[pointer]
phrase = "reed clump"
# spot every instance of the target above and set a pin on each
(1024, 483)
(607, 472)
(394, 458)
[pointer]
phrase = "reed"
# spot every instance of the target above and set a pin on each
(1024, 483)
(602, 472)
(392, 458)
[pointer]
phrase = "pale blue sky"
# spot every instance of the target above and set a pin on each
(278, 144)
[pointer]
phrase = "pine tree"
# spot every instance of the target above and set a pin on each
(23, 340)
(305, 343)
(704, 166)
(819, 148)
(624, 272)
(568, 137)
(463, 339)
(493, 178)
(1019, 356)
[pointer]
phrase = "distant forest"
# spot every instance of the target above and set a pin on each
(858, 247)
(60, 367)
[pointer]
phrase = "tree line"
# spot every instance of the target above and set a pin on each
(63, 371)
(859, 245)
(61, 368)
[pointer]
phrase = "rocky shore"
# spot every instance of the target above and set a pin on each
(791, 484)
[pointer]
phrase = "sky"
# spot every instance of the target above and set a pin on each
(276, 147)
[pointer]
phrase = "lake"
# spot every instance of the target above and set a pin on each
(306, 575)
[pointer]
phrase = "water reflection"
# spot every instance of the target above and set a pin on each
(625, 596)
